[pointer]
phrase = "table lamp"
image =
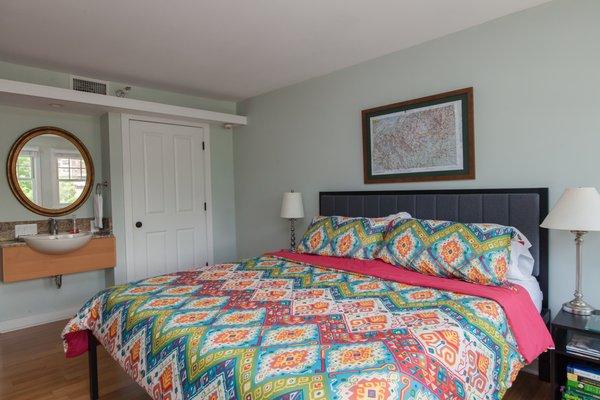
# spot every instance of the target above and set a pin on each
(578, 211)
(291, 208)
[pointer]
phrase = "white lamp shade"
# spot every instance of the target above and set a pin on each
(291, 206)
(578, 209)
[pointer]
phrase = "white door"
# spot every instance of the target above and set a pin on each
(168, 198)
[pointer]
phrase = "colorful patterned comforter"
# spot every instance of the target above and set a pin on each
(272, 328)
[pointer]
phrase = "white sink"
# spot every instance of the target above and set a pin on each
(57, 244)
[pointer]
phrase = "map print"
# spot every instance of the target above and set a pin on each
(424, 139)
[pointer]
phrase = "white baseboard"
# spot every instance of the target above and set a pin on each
(38, 319)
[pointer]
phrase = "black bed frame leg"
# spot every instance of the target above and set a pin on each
(93, 365)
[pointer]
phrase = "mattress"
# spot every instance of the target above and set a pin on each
(532, 286)
(287, 326)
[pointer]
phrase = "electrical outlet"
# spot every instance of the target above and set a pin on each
(25, 229)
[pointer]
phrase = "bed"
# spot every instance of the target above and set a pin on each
(295, 326)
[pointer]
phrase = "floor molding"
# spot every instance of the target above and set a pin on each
(38, 319)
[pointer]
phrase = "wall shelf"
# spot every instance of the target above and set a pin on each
(30, 95)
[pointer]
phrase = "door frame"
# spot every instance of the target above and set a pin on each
(126, 119)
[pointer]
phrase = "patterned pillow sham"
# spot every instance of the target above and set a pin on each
(354, 237)
(478, 253)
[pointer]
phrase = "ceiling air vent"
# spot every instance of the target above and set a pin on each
(89, 85)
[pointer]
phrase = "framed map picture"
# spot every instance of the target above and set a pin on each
(426, 139)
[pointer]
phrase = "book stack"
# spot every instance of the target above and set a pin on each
(583, 383)
(586, 346)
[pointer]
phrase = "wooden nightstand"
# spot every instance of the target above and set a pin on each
(563, 327)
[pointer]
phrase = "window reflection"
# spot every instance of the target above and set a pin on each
(50, 171)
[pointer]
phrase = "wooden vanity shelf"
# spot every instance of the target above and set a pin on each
(20, 262)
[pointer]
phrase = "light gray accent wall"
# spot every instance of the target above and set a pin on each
(536, 76)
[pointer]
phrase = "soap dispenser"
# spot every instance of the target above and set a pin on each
(74, 230)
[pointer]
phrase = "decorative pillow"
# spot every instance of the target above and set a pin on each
(478, 253)
(344, 236)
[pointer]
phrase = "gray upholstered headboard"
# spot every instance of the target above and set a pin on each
(522, 208)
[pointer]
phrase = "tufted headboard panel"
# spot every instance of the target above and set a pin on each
(522, 208)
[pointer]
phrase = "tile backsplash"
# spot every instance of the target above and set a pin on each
(7, 229)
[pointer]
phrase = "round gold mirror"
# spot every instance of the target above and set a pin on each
(50, 171)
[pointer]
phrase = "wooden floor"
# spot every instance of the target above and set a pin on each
(33, 366)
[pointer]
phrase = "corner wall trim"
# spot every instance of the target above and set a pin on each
(37, 319)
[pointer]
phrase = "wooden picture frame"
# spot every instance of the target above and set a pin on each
(425, 139)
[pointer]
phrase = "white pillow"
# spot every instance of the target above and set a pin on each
(399, 215)
(520, 268)
(521, 260)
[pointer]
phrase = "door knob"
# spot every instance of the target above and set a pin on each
(138, 224)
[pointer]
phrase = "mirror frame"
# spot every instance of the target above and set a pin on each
(11, 168)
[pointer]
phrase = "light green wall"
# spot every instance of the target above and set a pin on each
(16, 121)
(536, 76)
(22, 299)
(223, 193)
(41, 76)
(102, 135)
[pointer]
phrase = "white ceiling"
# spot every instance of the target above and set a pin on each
(230, 49)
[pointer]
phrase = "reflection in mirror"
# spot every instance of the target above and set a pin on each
(50, 171)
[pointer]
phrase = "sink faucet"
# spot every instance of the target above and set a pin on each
(53, 226)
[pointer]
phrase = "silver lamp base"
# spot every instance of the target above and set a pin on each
(578, 307)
